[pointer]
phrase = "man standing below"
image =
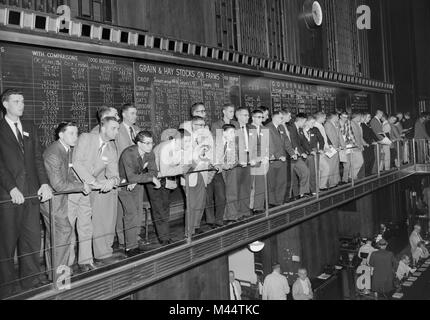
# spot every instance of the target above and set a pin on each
(301, 173)
(58, 164)
(244, 171)
(137, 166)
(22, 174)
(302, 288)
(384, 267)
(96, 163)
(126, 138)
(421, 137)
(415, 238)
(259, 158)
(404, 269)
(235, 288)
(335, 141)
(275, 285)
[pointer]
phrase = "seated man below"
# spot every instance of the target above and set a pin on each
(404, 269)
(302, 288)
(366, 250)
(420, 252)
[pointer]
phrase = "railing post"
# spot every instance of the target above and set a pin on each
(398, 154)
(317, 173)
(266, 190)
(188, 216)
(53, 244)
(414, 153)
(378, 159)
(351, 168)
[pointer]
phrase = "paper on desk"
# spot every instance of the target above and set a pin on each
(398, 295)
(324, 276)
(412, 279)
(331, 152)
(338, 267)
(417, 274)
(422, 269)
(407, 284)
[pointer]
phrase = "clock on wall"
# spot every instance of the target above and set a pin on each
(313, 14)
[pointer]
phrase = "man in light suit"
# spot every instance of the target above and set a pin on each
(235, 288)
(58, 164)
(22, 174)
(354, 137)
(125, 138)
(302, 288)
(137, 166)
(96, 163)
(336, 141)
(376, 125)
(415, 238)
(275, 285)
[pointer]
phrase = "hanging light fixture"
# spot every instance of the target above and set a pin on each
(256, 246)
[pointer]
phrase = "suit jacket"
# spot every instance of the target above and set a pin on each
(316, 139)
(23, 171)
(298, 292)
(123, 140)
(89, 164)
(132, 167)
(277, 145)
(376, 126)
(385, 266)
(295, 139)
(368, 135)
(358, 134)
(61, 176)
(333, 133)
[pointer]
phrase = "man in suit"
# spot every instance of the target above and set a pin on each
(335, 141)
(421, 136)
(371, 140)
(125, 138)
(384, 267)
(275, 285)
(415, 238)
(356, 156)
(198, 109)
(58, 164)
(259, 159)
(235, 288)
(137, 166)
(302, 288)
(228, 118)
(301, 173)
(266, 115)
(96, 163)
(277, 175)
(104, 112)
(324, 167)
(243, 171)
(22, 174)
(376, 125)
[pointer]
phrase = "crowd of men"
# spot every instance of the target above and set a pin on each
(105, 176)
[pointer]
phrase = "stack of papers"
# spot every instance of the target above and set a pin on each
(331, 152)
(412, 279)
(417, 274)
(422, 269)
(338, 267)
(324, 276)
(407, 284)
(398, 295)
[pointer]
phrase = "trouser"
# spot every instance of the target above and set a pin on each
(324, 168)
(80, 214)
(310, 163)
(197, 201)
(231, 195)
(62, 237)
(369, 160)
(352, 166)
(19, 229)
(300, 178)
(215, 200)
(258, 187)
(131, 203)
(277, 183)
(160, 207)
(334, 175)
(104, 206)
(244, 187)
(386, 158)
(422, 151)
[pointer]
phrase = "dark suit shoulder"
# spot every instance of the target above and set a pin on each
(53, 148)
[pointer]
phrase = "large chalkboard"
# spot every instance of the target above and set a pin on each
(63, 85)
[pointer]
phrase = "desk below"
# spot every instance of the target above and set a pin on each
(420, 288)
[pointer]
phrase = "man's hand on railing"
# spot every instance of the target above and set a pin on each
(108, 185)
(131, 187)
(156, 182)
(87, 189)
(283, 159)
(17, 196)
(45, 193)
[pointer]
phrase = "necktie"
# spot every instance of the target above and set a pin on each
(101, 148)
(69, 157)
(245, 135)
(19, 136)
(132, 135)
(234, 291)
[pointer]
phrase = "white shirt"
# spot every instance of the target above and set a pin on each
(403, 270)
(64, 146)
(275, 287)
(235, 291)
(128, 130)
(305, 286)
(244, 130)
(12, 126)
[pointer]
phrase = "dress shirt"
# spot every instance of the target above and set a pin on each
(305, 286)
(244, 130)
(128, 130)
(13, 127)
(275, 287)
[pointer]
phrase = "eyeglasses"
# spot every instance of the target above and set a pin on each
(260, 117)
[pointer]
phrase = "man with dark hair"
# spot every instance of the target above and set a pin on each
(228, 118)
(137, 166)
(371, 141)
(301, 173)
(275, 285)
(336, 141)
(126, 138)
(266, 115)
(384, 267)
(104, 112)
(96, 163)
(22, 174)
(58, 164)
(197, 110)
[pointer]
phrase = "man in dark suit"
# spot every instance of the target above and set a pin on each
(277, 175)
(371, 140)
(301, 172)
(137, 166)
(384, 267)
(58, 164)
(22, 173)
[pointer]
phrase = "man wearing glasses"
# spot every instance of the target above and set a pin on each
(137, 166)
(197, 110)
